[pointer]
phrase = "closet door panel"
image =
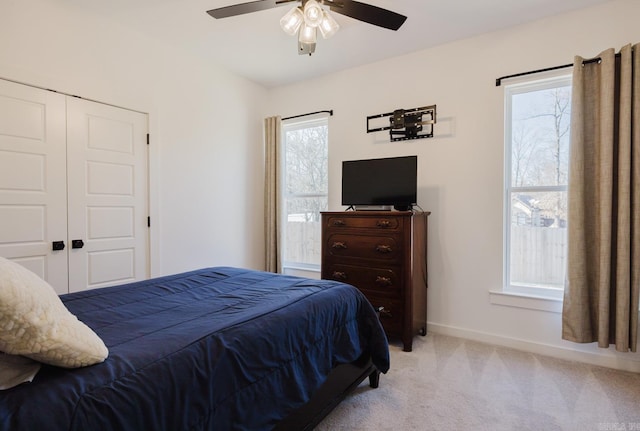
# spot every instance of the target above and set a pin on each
(108, 195)
(33, 203)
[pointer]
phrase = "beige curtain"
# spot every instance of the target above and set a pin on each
(272, 137)
(603, 273)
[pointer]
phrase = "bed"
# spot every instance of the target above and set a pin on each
(213, 349)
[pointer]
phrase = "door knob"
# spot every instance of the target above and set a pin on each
(77, 243)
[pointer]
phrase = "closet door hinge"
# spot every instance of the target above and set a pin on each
(147, 139)
(148, 221)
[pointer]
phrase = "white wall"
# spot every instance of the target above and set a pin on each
(205, 125)
(461, 169)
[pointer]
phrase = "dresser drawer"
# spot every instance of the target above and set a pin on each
(363, 222)
(387, 247)
(386, 282)
(391, 315)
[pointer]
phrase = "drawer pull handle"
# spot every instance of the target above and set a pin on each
(383, 281)
(339, 275)
(384, 223)
(339, 245)
(384, 249)
(384, 313)
(338, 222)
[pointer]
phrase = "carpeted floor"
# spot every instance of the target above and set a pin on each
(449, 383)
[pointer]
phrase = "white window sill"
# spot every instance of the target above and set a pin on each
(301, 267)
(526, 300)
(301, 271)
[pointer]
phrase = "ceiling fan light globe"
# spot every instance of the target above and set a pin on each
(291, 21)
(307, 34)
(313, 13)
(328, 26)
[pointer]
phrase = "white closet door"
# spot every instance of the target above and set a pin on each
(33, 196)
(107, 193)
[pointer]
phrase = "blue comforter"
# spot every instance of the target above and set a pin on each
(213, 349)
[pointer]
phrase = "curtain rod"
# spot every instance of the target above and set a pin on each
(330, 112)
(531, 72)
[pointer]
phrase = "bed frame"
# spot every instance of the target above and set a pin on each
(340, 383)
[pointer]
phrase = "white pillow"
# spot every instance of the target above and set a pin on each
(35, 323)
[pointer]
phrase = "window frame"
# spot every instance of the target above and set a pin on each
(288, 125)
(558, 79)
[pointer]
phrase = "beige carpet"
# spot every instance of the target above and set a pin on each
(448, 383)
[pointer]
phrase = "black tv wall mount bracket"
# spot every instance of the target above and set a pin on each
(407, 124)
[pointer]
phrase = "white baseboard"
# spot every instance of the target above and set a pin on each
(609, 358)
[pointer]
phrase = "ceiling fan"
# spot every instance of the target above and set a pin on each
(307, 18)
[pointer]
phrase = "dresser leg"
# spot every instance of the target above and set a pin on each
(407, 346)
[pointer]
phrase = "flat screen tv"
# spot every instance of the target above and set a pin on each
(383, 182)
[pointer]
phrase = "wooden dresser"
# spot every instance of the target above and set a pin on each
(384, 254)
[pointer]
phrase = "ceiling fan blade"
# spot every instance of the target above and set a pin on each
(368, 13)
(242, 8)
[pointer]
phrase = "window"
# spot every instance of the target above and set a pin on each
(305, 189)
(537, 127)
